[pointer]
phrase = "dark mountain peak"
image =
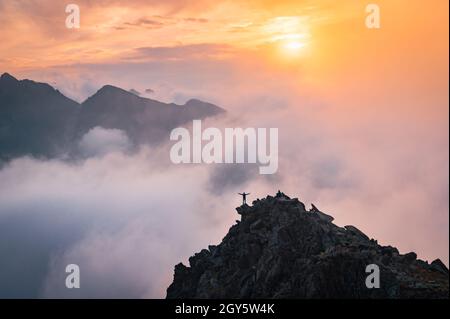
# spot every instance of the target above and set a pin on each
(146, 121)
(29, 88)
(197, 102)
(111, 88)
(8, 83)
(110, 98)
(281, 250)
(194, 102)
(201, 106)
(111, 91)
(115, 96)
(135, 92)
(7, 77)
(54, 123)
(35, 119)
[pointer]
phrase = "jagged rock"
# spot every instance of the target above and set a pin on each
(320, 214)
(244, 209)
(389, 250)
(281, 250)
(356, 232)
(410, 257)
(438, 265)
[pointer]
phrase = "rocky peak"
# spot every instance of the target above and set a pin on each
(7, 77)
(279, 249)
(8, 82)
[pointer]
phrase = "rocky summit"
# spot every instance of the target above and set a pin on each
(279, 249)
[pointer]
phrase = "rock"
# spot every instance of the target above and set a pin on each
(281, 195)
(321, 215)
(356, 232)
(410, 257)
(388, 250)
(279, 250)
(256, 225)
(325, 217)
(439, 266)
(314, 208)
(244, 210)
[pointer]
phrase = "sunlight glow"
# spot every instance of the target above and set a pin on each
(294, 45)
(290, 35)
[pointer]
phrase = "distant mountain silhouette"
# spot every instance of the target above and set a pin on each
(36, 119)
(144, 120)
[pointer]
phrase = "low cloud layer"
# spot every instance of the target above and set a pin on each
(125, 221)
(100, 141)
(127, 218)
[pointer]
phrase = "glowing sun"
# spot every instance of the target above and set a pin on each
(293, 46)
(289, 37)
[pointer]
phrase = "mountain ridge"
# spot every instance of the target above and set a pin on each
(281, 250)
(38, 120)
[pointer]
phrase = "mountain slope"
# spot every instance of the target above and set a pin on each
(281, 250)
(144, 120)
(36, 119)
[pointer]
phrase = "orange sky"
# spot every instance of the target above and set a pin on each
(410, 50)
(34, 34)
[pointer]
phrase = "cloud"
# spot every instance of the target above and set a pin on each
(100, 141)
(122, 218)
(180, 52)
(231, 177)
(145, 22)
(199, 20)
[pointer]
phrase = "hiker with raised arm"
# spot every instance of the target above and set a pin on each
(244, 197)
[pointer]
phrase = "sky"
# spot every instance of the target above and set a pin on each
(362, 117)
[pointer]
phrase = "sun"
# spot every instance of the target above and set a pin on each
(293, 46)
(289, 35)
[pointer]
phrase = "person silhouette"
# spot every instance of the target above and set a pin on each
(244, 197)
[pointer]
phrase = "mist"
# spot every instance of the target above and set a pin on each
(128, 217)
